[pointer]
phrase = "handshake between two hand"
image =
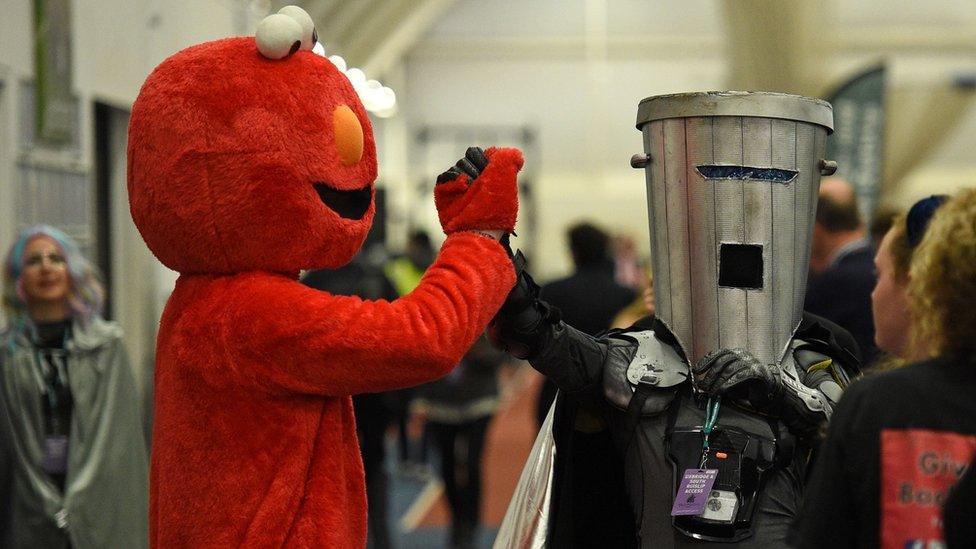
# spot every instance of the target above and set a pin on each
(480, 192)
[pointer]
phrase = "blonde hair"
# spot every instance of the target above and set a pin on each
(942, 288)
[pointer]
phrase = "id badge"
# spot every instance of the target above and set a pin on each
(693, 493)
(55, 460)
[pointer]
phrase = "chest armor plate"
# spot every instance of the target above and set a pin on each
(641, 357)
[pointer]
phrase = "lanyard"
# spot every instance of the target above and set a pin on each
(711, 414)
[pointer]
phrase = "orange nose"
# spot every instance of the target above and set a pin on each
(348, 135)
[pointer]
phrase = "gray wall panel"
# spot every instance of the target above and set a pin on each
(675, 176)
(783, 253)
(727, 147)
(808, 184)
(784, 144)
(704, 250)
(656, 198)
(757, 201)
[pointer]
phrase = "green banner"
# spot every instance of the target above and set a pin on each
(857, 143)
(55, 115)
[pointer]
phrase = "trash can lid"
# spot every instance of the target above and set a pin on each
(736, 103)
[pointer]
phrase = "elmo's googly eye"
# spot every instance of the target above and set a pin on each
(278, 36)
(319, 49)
(309, 36)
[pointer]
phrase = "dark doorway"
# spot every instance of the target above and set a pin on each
(111, 125)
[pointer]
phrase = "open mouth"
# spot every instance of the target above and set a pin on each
(348, 204)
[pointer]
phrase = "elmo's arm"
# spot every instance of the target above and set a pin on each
(285, 336)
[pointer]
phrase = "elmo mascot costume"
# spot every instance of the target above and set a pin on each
(250, 160)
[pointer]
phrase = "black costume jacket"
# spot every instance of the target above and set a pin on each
(589, 505)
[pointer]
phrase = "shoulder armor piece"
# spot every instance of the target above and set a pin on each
(653, 363)
(809, 361)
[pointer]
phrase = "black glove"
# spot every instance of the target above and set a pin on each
(472, 164)
(520, 323)
(765, 388)
(735, 372)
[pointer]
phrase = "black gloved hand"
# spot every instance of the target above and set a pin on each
(518, 325)
(473, 163)
(764, 387)
(738, 373)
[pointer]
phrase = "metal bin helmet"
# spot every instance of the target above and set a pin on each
(732, 184)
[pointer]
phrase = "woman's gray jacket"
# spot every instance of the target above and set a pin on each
(105, 499)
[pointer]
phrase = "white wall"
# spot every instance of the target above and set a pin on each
(575, 70)
(537, 64)
(116, 43)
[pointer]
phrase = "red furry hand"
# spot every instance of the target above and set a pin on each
(480, 191)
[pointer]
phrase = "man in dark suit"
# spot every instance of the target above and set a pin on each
(590, 298)
(842, 266)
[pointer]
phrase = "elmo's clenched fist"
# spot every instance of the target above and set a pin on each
(480, 192)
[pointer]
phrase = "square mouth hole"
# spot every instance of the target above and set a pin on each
(741, 266)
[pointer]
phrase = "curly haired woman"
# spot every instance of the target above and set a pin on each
(900, 440)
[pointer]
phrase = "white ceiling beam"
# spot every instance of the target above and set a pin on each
(372, 34)
(336, 19)
(390, 32)
(319, 10)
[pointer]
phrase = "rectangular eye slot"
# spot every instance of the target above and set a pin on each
(740, 266)
(771, 175)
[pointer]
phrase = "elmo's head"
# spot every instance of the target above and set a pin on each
(238, 162)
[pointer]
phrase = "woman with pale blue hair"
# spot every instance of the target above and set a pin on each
(73, 457)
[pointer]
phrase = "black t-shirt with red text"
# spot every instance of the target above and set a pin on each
(896, 443)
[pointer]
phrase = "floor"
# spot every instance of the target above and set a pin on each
(418, 506)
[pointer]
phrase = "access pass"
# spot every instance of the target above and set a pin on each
(693, 492)
(55, 460)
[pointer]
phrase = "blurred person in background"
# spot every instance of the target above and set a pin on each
(364, 277)
(889, 300)
(70, 417)
(899, 440)
(629, 270)
(405, 272)
(590, 298)
(458, 409)
(881, 222)
(640, 307)
(841, 268)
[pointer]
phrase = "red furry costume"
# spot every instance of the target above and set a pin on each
(239, 168)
